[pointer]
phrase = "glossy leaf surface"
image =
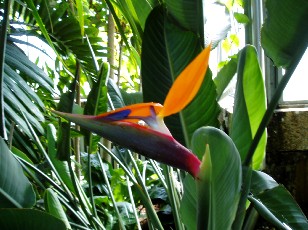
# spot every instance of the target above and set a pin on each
(224, 76)
(23, 219)
(96, 104)
(220, 178)
(279, 207)
(284, 34)
(189, 14)
(249, 105)
(19, 96)
(218, 187)
(54, 207)
(60, 166)
(15, 188)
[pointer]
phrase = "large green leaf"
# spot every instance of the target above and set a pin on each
(28, 219)
(115, 94)
(16, 59)
(18, 120)
(40, 23)
(219, 182)
(96, 104)
(225, 75)
(26, 106)
(188, 206)
(60, 166)
(284, 35)
(17, 97)
(261, 181)
(64, 135)
(188, 13)
(128, 10)
(143, 9)
(54, 207)
(15, 188)
(167, 49)
(80, 13)
(20, 97)
(219, 186)
(275, 203)
(249, 106)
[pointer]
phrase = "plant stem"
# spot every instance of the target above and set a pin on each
(120, 62)
(140, 188)
(79, 196)
(77, 139)
(121, 223)
(151, 213)
(248, 26)
(173, 196)
(131, 197)
(111, 32)
(94, 212)
(159, 173)
(4, 26)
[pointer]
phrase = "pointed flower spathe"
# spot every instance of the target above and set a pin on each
(186, 85)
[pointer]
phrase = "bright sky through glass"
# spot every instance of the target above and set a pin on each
(297, 88)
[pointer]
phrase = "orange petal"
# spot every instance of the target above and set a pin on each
(186, 85)
(133, 113)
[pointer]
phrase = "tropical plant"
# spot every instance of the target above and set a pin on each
(126, 192)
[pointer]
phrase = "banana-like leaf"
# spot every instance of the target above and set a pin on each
(26, 219)
(21, 77)
(129, 12)
(64, 135)
(54, 207)
(15, 188)
(15, 105)
(18, 120)
(224, 76)
(16, 59)
(21, 141)
(275, 203)
(15, 95)
(132, 98)
(143, 9)
(167, 49)
(60, 166)
(115, 94)
(284, 35)
(97, 104)
(189, 14)
(188, 206)
(249, 106)
(218, 184)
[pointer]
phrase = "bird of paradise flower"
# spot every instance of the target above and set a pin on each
(152, 138)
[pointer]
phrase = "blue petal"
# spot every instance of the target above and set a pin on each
(120, 115)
